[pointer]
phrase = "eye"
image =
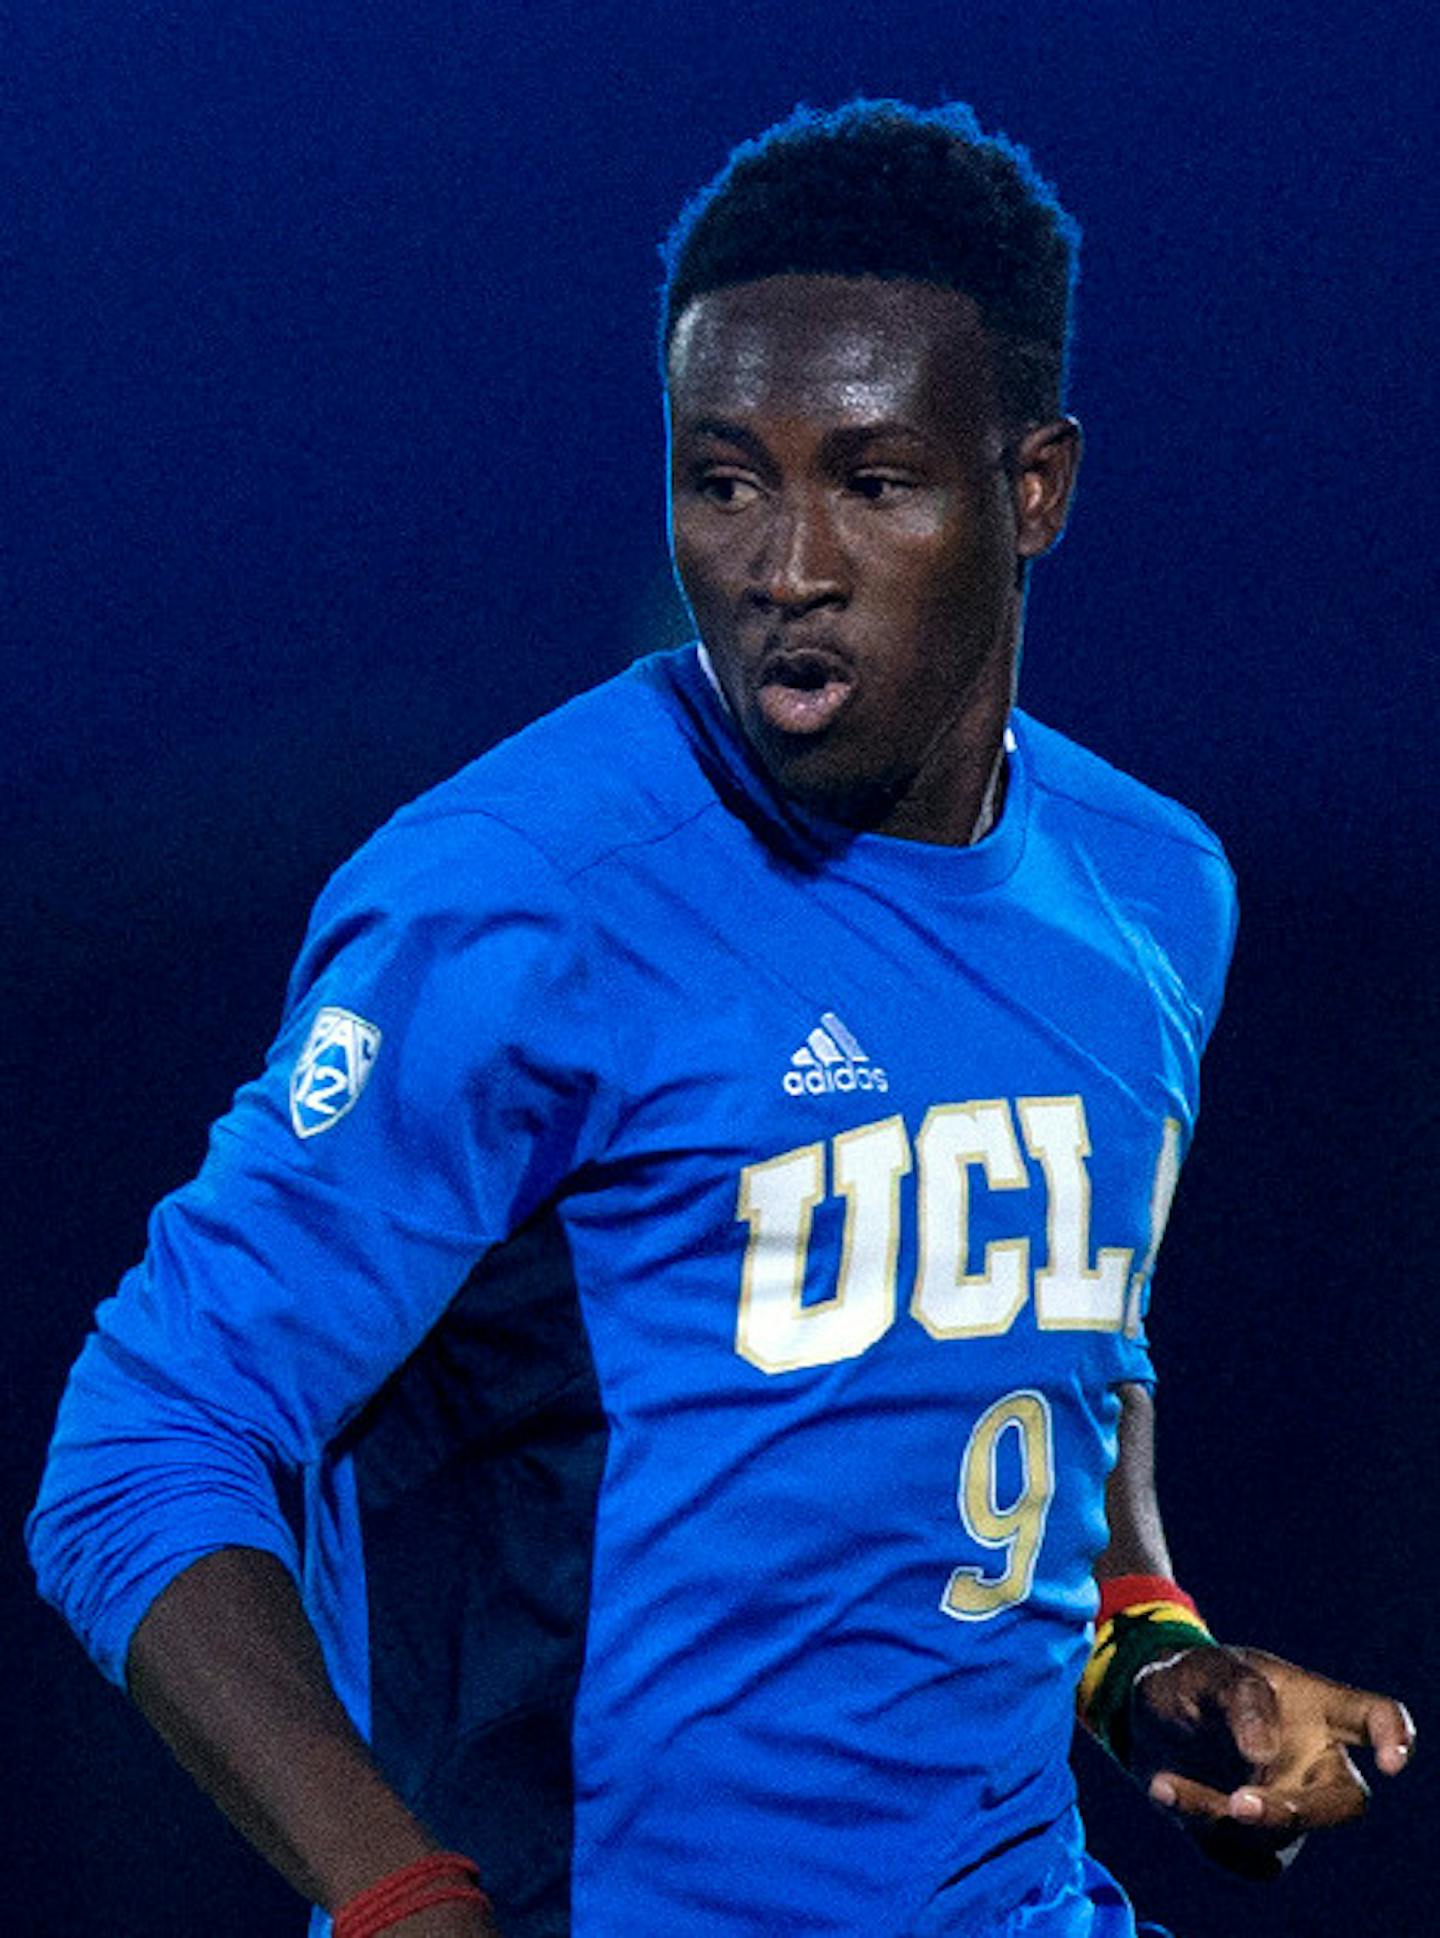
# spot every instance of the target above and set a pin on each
(878, 486)
(727, 490)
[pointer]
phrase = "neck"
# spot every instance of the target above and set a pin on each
(956, 793)
(993, 798)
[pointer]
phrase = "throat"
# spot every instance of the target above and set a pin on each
(993, 799)
(950, 804)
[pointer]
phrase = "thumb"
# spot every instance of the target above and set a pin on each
(1252, 1711)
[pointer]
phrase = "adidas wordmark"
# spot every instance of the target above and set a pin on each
(830, 1059)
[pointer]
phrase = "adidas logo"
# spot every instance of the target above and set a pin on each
(830, 1059)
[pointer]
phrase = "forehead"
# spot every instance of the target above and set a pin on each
(834, 348)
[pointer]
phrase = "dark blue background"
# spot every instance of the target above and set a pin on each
(332, 449)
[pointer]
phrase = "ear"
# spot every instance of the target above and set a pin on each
(1044, 466)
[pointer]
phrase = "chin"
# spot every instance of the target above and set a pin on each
(819, 779)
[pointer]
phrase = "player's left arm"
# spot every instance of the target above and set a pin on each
(1247, 1750)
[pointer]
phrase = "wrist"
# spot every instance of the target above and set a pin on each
(1144, 1622)
(436, 1879)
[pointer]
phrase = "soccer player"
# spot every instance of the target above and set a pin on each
(659, 1354)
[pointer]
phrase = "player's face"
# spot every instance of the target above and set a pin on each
(847, 524)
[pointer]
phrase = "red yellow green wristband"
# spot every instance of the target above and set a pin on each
(1142, 1619)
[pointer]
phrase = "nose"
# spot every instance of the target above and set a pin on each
(801, 561)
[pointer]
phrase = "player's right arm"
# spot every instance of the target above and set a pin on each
(228, 1670)
(279, 1291)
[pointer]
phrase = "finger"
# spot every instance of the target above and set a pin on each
(1356, 1716)
(1333, 1792)
(1187, 1798)
(1360, 1716)
(1255, 1806)
(1251, 1805)
(1389, 1729)
(1252, 1832)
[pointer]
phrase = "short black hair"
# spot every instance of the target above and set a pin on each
(880, 188)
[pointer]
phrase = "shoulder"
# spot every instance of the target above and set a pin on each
(1107, 804)
(612, 767)
(1155, 864)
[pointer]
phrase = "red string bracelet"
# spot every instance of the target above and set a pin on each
(444, 1877)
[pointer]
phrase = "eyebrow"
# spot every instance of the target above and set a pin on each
(723, 431)
(843, 441)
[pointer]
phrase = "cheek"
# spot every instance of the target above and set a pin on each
(704, 573)
(686, 560)
(922, 583)
(696, 585)
(960, 581)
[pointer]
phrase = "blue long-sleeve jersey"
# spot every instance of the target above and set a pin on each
(686, 1252)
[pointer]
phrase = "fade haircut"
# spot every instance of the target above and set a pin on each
(879, 188)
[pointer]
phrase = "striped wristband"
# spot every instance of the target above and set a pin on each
(1142, 1619)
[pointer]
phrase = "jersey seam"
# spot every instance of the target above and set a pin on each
(614, 1087)
(1206, 844)
(571, 878)
(622, 1102)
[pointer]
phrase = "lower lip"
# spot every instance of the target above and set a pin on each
(802, 710)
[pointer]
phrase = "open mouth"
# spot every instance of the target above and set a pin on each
(802, 688)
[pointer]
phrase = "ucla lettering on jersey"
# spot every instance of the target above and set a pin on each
(782, 1324)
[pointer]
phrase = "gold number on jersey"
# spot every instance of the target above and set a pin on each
(1014, 1529)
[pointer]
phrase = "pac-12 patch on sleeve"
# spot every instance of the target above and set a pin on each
(331, 1070)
